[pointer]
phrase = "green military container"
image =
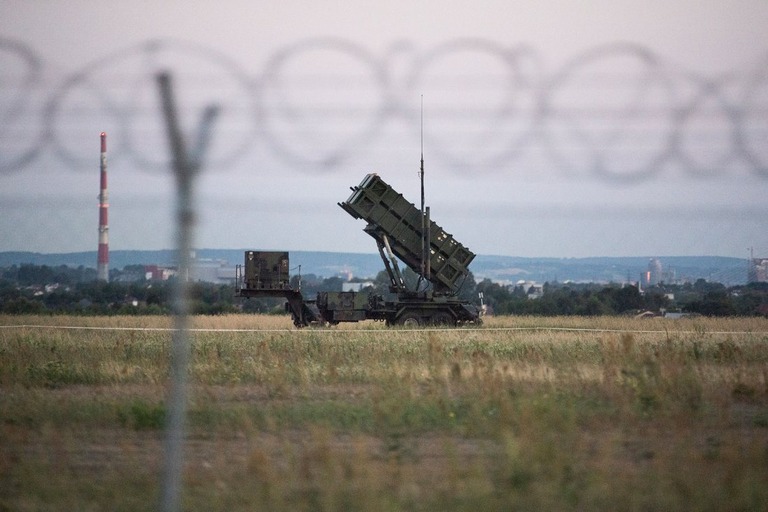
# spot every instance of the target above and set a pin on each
(266, 270)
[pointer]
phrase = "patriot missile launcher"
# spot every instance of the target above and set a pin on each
(402, 232)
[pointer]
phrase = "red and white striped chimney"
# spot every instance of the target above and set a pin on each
(102, 266)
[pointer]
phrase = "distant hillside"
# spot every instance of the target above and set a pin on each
(729, 271)
(319, 263)
(118, 259)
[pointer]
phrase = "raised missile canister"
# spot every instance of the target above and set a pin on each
(391, 216)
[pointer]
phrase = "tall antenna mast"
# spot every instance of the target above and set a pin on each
(423, 223)
(422, 153)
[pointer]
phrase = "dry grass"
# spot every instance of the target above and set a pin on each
(526, 413)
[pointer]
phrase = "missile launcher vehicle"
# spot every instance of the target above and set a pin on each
(402, 232)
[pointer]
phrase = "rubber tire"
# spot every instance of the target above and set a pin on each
(410, 320)
(443, 319)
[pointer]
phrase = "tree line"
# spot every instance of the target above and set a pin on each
(42, 289)
(590, 299)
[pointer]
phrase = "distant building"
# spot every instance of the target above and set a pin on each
(202, 270)
(158, 273)
(535, 291)
(532, 289)
(758, 271)
(653, 276)
(213, 271)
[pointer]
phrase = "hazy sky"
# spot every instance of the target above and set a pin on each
(551, 128)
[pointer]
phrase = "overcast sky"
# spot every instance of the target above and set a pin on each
(550, 128)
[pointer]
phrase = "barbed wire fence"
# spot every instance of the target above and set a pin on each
(615, 112)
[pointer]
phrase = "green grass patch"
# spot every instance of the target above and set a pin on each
(670, 416)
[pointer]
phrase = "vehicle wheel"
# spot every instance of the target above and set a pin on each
(409, 320)
(442, 318)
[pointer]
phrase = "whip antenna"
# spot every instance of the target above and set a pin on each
(424, 242)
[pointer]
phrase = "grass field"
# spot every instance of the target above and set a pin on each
(522, 414)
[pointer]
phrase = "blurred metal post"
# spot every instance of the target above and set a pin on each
(185, 169)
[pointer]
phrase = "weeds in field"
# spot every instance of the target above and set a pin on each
(668, 416)
(140, 415)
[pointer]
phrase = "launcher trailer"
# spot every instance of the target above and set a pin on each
(401, 232)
